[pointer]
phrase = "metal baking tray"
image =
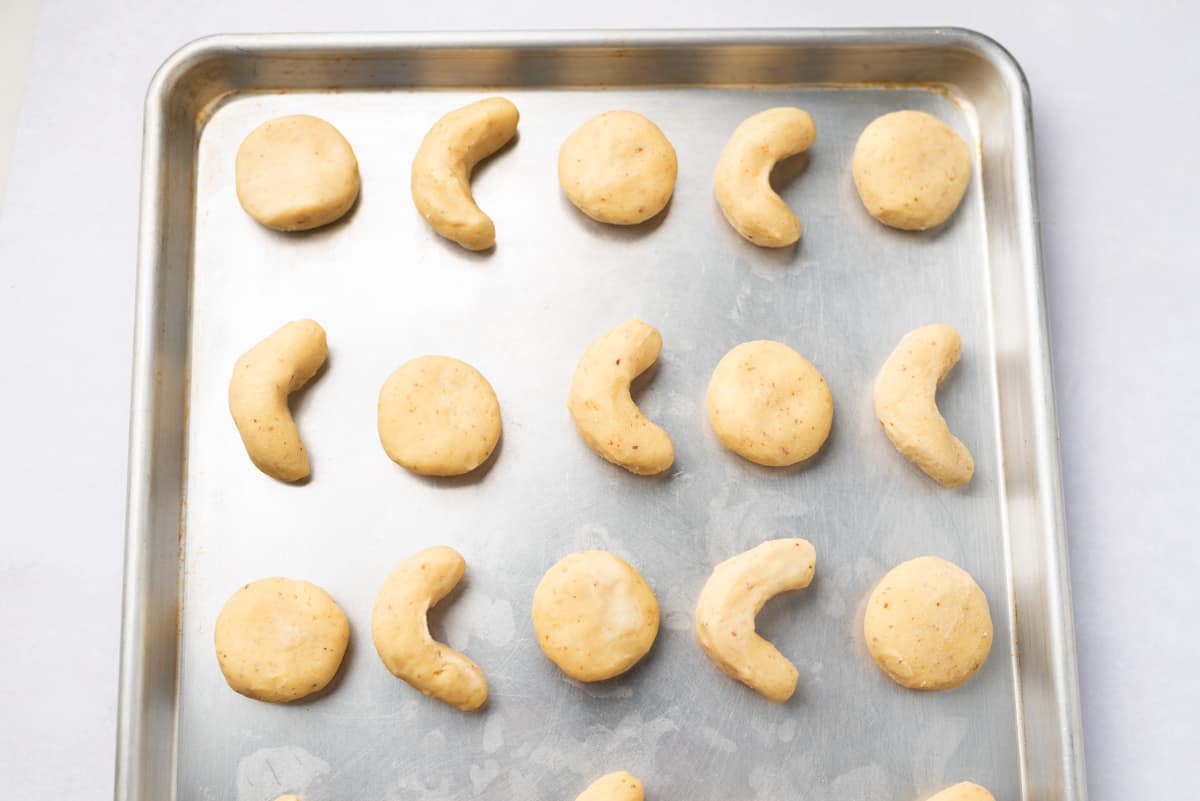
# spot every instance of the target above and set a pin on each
(202, 520)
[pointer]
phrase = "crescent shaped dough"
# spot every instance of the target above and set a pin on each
(732, 598)
(906, 404)
(743, 180)
(400, 630)
(258, 391)
(604, 412)
(441, 170)
(619, 786)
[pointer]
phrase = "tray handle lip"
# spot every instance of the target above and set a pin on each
(168, 79)
(133, 662)
(171, 74)
(197, 50)
(1050, 488)
(1061, 613)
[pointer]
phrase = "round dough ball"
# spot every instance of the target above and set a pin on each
(595, 616)
(438, 416)
(928, 625)
(911, 170)
(963, 791)
(296, 173)
(768, 404)
(280, 639)
(618, 168)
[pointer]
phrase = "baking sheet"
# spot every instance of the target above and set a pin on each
(387, 289)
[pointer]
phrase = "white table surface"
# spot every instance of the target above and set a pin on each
(17, 18)
(1117, 120)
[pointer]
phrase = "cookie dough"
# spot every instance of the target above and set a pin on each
(594, 615)
(927, 624)
(619, 786)
(400, 630)
(438, 417)
(906, 404)
(618, 168)
(295, 173)
(768, 404)
(731, 599)
(262, 379)
(441, 170)
(603, 410)
(963, 791)
(911, 170)
(743, 180)
(280, 639)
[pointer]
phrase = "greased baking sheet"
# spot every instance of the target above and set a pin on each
(203, 520)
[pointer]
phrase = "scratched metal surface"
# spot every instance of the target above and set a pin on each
(387, 289)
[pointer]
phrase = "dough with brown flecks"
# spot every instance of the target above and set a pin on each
(262, 379)
(604, 412)
(731, 599)
(906, 404)
(280, 639)
(438, 416)
(911, 170)
(295, 173)
(594, 615)
(618, 168)
(743, 180)
(618, 786)
(963, 791)
(441, 170)
(768, 403)
(927, 624)
(400, 629)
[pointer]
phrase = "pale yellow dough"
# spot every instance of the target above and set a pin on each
(438, 416)
(594, 615)
(619, 786)
(262, 379)
(963, 791)
(400, 629)
(288, 797)
(906, 404)
(441, 170)
(295, 173)
(618, 168)
(743, 179)
(731, 599)
(928, 625)
(911, 170)
(768, 404)
(280, 639)
(603, 410)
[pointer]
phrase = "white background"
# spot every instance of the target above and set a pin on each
(1117, 123)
